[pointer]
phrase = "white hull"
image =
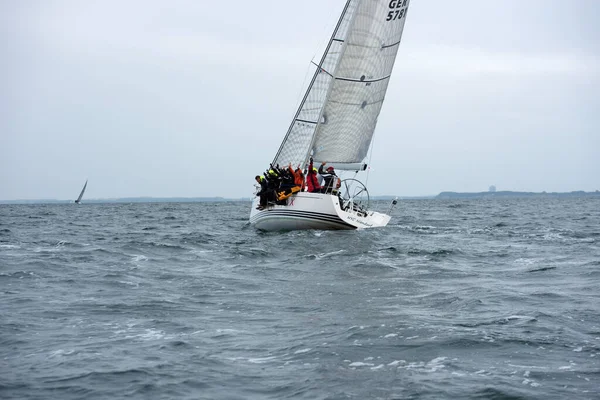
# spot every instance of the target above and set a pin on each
(313, 211)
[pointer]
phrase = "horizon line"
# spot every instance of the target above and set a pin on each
(248, 198)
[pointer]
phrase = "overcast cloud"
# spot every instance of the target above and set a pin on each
(193, 98)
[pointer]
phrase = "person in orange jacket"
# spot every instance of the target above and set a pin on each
(298, 176)
(301, 178)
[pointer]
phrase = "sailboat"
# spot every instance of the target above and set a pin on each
(336, 120)
(81, 194)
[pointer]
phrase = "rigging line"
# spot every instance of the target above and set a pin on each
(322, 69)
(370, 156)
(302, 88)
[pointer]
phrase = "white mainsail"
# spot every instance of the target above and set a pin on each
(337, 116)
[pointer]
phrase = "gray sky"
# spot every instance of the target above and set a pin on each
(192, 98)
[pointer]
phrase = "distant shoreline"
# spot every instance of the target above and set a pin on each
(128, 200)
(442, 196)
(511, 194)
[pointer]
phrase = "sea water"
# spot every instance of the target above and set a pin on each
(468, 299)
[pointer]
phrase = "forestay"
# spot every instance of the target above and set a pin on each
(337, 116)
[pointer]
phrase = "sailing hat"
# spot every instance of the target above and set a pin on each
(329, 169)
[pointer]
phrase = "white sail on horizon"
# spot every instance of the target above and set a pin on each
(82, 192)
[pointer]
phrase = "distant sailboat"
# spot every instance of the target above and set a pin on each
(81, 194)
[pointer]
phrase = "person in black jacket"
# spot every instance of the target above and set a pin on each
(263, 192)
(330, 179)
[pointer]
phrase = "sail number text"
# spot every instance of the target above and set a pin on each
(396, 10)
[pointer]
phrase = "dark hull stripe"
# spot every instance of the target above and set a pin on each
(299, 215)
(308, 214)
(328, 220)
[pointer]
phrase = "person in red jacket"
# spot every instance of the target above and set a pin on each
(312, 180)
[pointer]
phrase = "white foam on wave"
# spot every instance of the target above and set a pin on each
(431, 366)
(472, 231)
(199, 252)
(527, 367)
(526, 261)
(133, 284)
(396, 363)
(524, 317)
(301, 351)
(423, 227)
(9, 246)
(360, 364)
(261, 360)
(20, 274)
(331, 254)
(553, 236)
(148, 334)
(528, 381)
(436, 364)
(61, 353)
(488, 339)
(138, 258)
(229, 331)
(53, 249)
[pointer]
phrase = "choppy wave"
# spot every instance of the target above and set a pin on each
(466, 299)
